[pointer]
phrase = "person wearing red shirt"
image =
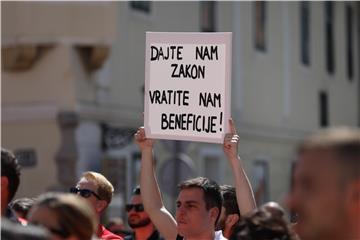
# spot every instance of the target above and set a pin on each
(98, 191)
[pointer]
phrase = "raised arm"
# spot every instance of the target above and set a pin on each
(244, 193)
(150, 192)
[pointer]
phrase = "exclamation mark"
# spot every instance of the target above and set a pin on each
(221, 119)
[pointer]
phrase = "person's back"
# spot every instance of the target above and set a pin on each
(15, 231)
(326, 190)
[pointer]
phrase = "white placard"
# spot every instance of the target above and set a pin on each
(187, 86)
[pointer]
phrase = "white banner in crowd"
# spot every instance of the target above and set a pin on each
(187, 86)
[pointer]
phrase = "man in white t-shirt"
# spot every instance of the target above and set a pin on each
(199, 201)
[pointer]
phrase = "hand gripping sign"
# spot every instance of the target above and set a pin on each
(187, 86)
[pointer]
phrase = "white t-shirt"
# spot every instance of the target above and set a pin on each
(219, 236)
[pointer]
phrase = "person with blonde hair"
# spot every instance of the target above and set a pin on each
(98, 191)
(65, 216)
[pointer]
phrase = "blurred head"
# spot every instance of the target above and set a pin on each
(275, 209)
(21, 206)
(326, 190)
(265, 223)
(96, 189)
(137, 217)
(230, 213)
(66, 216)
(10, 177)
(198, 207)
(116, 225)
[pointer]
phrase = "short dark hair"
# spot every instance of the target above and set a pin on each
(136, 191)
(10, 169)
(263, 223)
(344, 142)
(212, 193)
(22, 205)
(229, 199)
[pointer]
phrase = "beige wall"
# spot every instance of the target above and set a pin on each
(81, 22)
(56, 82)
(44, 138)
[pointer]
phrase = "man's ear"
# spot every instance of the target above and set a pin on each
(231, 219)
(214, 213)
(101, 206)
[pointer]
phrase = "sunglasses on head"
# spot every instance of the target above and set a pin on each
(137, 207)
(85, 193)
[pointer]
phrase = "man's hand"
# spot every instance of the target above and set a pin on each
(141, 140)
(231, 142)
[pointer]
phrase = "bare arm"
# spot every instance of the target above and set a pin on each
(244, 193)
(150, 191)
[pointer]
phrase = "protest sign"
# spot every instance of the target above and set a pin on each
(187, 86)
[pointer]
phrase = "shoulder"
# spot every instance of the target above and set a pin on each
(107, 235)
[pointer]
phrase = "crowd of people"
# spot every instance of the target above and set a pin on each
(325, 199)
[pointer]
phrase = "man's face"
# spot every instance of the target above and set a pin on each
(85, 184)
(191, 215)
(317, 196)
(137, 219)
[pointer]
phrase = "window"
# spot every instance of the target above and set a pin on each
(142, 6)
(324, 109)
(26, 157)
(305, 32)
(329, 37)
(259, 20)
(349, 41)
(207, 16)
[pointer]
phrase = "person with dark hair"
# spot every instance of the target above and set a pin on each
(266, 223)
(139, 220)
(326, 190)
(10, 180)
(21, 206)
(230, 213)
(199, 201)
(66, 216)
(98, 191)
(238, 200)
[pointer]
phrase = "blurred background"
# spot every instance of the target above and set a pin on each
(72, 83)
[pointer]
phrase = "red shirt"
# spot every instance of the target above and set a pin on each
(105, 234)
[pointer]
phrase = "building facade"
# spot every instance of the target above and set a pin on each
(73, 82)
